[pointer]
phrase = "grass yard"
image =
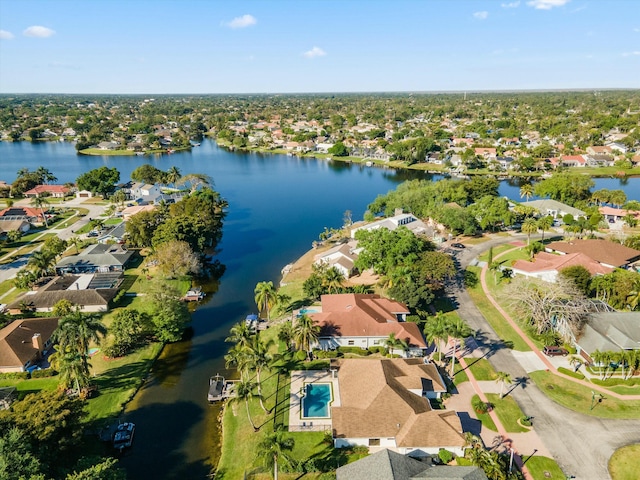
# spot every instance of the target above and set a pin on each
(623, 464)
(485, 418)
(578, 398)
(25, 387)
(113, 221)
(495, 319)
(543, 468)
(459, 375)
(481, 369)
(508, 412)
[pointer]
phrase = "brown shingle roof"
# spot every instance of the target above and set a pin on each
(48, 298)
(16, 346)
(602, 251)
(376, 403)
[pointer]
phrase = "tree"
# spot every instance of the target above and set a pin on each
(127, 329)
(245, 391)
(63, 307)
(339, 150)
(565, 187)
(545, 223)
(265, 296)
(458, 330)
(100, 181)
(41, 262)
(579, 276)
(55, 245)
(240, 334)
(436, 330)
(119, 197)
(305, 333)
(526, 191)
(73, 369)
(173, 175)
(393, 343)
(529, 226)
(176, 259)
(333, 280)
(503, 378)
(169, 315)
(105, 469)
(259, 358)
(18, 460)
(491, 212)
(41, 202)
(147, 173)
(273, 448)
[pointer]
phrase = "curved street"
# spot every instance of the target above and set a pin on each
(581, 444)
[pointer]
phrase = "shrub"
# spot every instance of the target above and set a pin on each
(479, 406)
(445, 455)
(14, 376)
(571, 373)
(121, 293)
(301, 355)
(326, 353)
(381, 350)
(354, 350)
(525, 421)
(47, 372)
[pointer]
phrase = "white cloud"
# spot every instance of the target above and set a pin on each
(4, 35)
(547, 4)
(315, 52)
(631, 54)
(636, 29)
(242, 22)
(38, 31)
(481, 15)
(510, 4)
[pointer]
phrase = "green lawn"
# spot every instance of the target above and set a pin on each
(543, 468)
(113, 221)
(508, 412)
(460, 375)
(578, 398)
(485, 418)
(623, 464)
(24, 387)
(495, 319)
(481, 368)
(484, 257)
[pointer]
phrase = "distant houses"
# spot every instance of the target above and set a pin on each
(555, 209)
(400, 219)
(55, 191)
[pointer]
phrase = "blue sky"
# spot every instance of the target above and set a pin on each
(211, 46)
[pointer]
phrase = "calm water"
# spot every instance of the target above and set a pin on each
(277, 206)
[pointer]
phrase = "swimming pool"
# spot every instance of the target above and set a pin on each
(316, 400)
(304, 311)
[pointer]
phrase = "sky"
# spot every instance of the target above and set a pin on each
(273, 46)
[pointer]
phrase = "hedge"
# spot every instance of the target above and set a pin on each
(571, 373)
(612, 382)
(14, 376)
(47, 372)
(326, 353)
(354, 350)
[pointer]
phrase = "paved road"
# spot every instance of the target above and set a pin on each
(581, 445)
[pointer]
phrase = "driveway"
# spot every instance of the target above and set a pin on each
(582, 445)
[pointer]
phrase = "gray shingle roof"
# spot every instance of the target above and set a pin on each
(383, 465)
(446, 472)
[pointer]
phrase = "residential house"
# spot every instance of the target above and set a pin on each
(95, 258)
(383, 403)
(617, 214)
(461, 142)
(84, 194)
(19, 225)
(129, 212)
(609, 332)
(114, 235)
(599, 150)
(342, 257)
(609, 254)
(599, 160)
(555, 209)
(618, 147)
(110, 145)
(505, 163)
(547, 266)
(56, 191)
(31, 215)
(91, 293)
(400, 219)
(365, 320)
(573, 161)
(386, 464)
(23, 342)
(486, 153)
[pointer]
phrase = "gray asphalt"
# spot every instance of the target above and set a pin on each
(582, 445)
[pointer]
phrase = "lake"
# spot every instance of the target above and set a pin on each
(277, 206)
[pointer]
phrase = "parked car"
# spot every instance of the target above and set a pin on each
(92, 233)
(457, 245)
(551, 351)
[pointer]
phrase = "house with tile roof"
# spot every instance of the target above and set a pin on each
(547, 266)
(389, 465)
(617, 214)
(609, 254)
(23, 342)
(609, 332)
(56, 191)
(365, 320)
(342, 257)
(383, 403)
(29, 214)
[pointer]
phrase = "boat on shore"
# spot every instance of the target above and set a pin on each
(220, 389)
(123, 436)
(194, 294)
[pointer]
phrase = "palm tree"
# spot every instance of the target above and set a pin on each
(529, 226)
(333, 280)
(526, 191)
(544, 224)
(305, 333)
(265, 296)
(75, 241)
(76, 331)
(45, 175)
(258, 358)
(240, 334)
(458, 330)
(274, 447)
(236, 357)
(575, 361)
(73, 369)
(41, 262)
(245, 391)
(173, 175)
(285, 334)
(41, 202)
(504, 378)
(436, 330)
(393, 343)
(96, 224)
(283, 302)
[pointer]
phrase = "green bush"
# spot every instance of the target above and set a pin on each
(480, 406)
(47, 372)
(525, 421)
(314, 365)
(326, 353)
(354, 350)
(14, 376)
(570, 348)
(445, 455)
(119, 296)
(571, 373)
(300, 355)
(381, 350)
(612, 382)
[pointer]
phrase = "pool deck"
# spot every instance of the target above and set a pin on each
(298, 379)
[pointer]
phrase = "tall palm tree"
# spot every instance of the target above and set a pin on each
(265, 296)
(503, 378)
(41, 202)
(73, 370)
(393, 343)
(274, 448)
(236, 357)
(529, 226)
(45, 175)
(75, 241)
(436, 330)
(245, 391)
(41, 262)
(259, 358)
(305, 333)
(76, 331)
(458, 330)
(544, 224)
(285, 334)
(333, 280)
(526, 191)
(173, 175)
(240, 334)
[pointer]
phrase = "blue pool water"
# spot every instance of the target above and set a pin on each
(315, 403)
(308, 310)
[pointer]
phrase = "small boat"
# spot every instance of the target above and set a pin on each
(216, 388)
(369, 164)
(194, 294)
(139, 153)
(123, 436)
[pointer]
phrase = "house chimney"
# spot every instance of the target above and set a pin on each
(36, 340)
